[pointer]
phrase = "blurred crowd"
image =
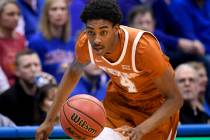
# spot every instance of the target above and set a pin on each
(37, 40)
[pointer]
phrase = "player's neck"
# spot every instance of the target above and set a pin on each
(115, 53)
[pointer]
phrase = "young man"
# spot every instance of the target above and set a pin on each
(20, 98)
(142, 99)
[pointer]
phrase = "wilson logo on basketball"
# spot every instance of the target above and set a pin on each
(82, 123)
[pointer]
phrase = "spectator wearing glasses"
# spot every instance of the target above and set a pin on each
(192, 112)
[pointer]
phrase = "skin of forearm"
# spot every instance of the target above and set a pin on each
(173, 102)
(168, 108)
(69, 81)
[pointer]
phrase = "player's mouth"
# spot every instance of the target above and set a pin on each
(98, 47)
(188, 91)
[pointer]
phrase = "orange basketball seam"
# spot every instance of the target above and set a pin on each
(85, 115)
(93, 102)
(73, 125)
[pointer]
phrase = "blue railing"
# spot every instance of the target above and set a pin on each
(29, 131)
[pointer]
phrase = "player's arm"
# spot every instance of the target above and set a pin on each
(150, 58)
(173, 102)
(68, 82)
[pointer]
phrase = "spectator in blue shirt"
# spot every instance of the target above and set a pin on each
(142, 17)
(180, 48)
(31, 11)
(194, 18)
(53, 44)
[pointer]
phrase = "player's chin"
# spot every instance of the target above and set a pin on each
(99, 52)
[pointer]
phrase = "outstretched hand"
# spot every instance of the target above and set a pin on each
(43, 131)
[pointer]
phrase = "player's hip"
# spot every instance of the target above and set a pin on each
(166, 131)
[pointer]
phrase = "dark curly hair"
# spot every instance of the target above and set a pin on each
(102, 9)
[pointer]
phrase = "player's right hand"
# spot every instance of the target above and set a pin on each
(44, 130)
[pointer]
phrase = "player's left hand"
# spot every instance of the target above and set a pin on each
(134, 133)
(130, 133)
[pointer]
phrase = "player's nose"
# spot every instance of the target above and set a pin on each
(97, 40)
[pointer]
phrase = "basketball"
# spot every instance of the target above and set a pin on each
(82, 117)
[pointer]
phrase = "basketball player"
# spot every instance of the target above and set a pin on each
(142, 99)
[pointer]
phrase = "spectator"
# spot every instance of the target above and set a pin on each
(194, 18)
(165, 21)
(44, 100)
(92, 82)
(17, 102)
(4, 84)
(141, 17)
(202, 78)
(11, 42)
(192, 112)
(180, 49)
(31, 11)
(203, 81)
(127, 5)
(172, 22)
(53, 44)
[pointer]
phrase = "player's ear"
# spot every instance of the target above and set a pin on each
(116, 27)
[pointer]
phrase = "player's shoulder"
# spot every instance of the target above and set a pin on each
(134, 32)
(148, 42)
(82, 38)
(131, 29)
(81, 51)
(82, 42)
(148, 36)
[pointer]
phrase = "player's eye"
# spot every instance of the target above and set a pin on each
(90, 33)
(104, 33)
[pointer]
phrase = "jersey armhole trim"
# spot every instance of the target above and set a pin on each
(135, 44)
(125, 46)
(90, 53)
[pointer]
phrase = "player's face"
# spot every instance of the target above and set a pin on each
(9, 16)
(102, 35)
(28, 67)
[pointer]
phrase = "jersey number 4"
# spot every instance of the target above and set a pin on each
(125, 82)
